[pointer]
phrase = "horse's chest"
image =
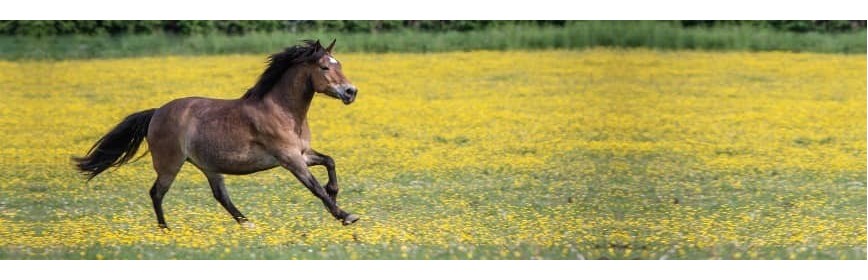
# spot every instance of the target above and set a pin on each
(288, 139)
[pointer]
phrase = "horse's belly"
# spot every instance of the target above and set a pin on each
(248, 165)
(235, 161)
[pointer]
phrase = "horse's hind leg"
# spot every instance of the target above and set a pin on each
(167, 163)
(158, 190)
(222, 196)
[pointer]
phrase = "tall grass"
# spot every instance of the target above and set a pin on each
(574, 35)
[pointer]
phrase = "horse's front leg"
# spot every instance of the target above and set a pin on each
(313, 158)
(297, 165)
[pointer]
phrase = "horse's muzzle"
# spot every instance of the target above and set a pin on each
(347, 94)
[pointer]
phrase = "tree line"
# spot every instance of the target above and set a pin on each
(43, 28)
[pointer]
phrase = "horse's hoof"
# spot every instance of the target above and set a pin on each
(247, 225)
(349, 219)
(163, 228)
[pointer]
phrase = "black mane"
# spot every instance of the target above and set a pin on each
(278, 63)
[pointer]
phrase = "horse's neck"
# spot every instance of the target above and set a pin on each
(293, 94)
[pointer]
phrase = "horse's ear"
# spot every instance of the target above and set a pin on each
(332, 45)
(316, 45)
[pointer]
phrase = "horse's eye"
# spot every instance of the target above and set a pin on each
(324, 67)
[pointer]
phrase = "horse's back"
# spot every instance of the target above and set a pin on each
(215, 135)
(174, 119)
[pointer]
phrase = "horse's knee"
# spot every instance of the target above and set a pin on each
(328, 162)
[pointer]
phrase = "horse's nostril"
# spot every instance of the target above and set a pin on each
(352, 91)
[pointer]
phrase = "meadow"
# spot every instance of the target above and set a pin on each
(558, 154)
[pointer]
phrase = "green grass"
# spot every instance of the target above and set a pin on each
(574, 35)
(617, 192)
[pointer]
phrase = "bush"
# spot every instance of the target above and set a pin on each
(43, 28)
(798, 26)
(237, 27)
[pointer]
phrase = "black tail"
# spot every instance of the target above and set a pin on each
(117, 147)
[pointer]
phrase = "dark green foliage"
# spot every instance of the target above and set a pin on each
(801, 26)
(34, 28)
(262, 37)
(41, 28)
(239, 27)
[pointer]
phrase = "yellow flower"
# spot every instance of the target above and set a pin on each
(605, 152)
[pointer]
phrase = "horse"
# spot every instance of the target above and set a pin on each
(265, 128)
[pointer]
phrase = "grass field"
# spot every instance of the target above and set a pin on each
(661, 35)
(593, 154)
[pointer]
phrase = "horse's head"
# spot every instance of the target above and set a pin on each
(328, 77)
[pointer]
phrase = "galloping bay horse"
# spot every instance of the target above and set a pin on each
(265, 128)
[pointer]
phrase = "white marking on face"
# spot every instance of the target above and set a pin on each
(332, 60)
